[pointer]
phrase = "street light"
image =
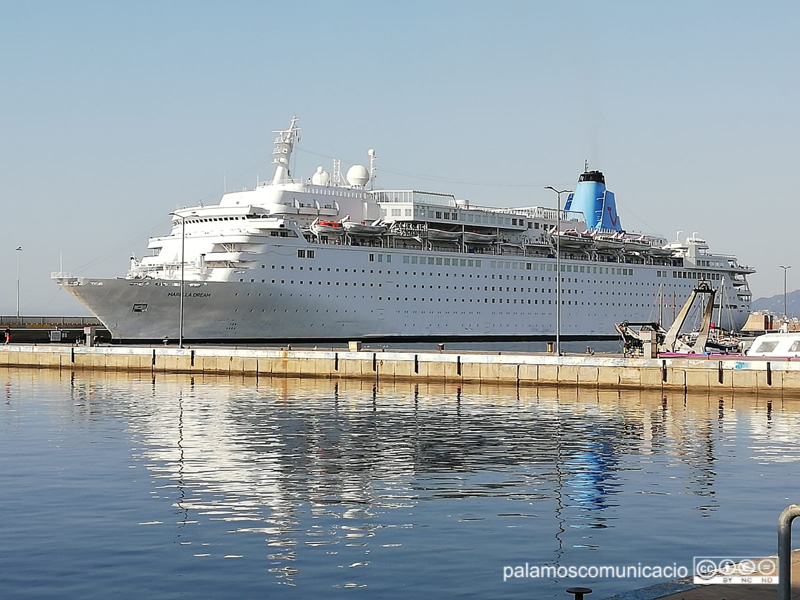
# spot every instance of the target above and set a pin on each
(558, 267)
(785, 314)
(19, 252)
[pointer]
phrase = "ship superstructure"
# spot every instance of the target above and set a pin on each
(329, 258)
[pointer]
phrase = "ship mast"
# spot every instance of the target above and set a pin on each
(282, 153)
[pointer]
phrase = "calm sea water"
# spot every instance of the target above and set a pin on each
(176, 487)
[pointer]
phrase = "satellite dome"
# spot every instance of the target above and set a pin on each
(358, 175)
(321, 177)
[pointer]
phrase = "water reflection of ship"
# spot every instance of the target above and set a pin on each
(591, 477)
(264, 456)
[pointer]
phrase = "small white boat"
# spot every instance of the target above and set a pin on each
(321, 227)
(636, 244)
(439, 235)
(572, 239)
(473, 237)
(608, 242)
(364, 228)
(660, 251)
(775, 345)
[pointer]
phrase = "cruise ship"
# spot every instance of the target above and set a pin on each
(331, 258)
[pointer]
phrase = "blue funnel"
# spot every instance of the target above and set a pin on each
(595, 202)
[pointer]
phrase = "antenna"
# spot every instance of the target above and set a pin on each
(372, 168)
(586, 165)
(337, 172)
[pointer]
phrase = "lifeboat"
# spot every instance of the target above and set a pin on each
(327, 227)
(572, 239)
(473, 237)
(439, 235)
(636, 244)
(604, 241)
(364, 228)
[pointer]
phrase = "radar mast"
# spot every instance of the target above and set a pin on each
(282, 153)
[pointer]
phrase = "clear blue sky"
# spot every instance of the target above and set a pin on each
(113, 114)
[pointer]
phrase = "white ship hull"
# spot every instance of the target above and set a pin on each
(399, 300)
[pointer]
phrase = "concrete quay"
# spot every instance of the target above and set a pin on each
(697, 373)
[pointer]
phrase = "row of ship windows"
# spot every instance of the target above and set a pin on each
(217, 219)
(520, 290)
(470, 300)
(511, 264)
(508, 278)
(495, 264)
(696, 275)
(614, 271)
(500, 300)
(529, 266)
(210, 219)
(711, 263)
(465, 217)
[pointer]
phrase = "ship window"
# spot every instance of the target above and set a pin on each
(768, 346)
(310, 254)
(301, 254)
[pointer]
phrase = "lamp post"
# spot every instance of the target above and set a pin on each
(785, 314)
(558, 267)
(19, 252)
(183, 279)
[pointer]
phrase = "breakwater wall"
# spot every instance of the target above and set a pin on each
(673, 373)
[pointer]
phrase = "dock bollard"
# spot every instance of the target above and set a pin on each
(549, 347)
(579, 592)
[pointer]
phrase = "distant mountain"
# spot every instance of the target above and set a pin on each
(774, 304)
